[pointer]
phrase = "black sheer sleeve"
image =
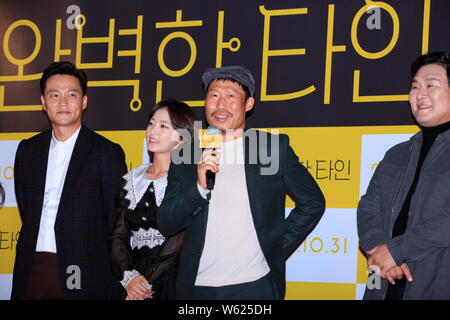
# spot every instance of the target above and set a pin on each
(162, 274)
(121, 253)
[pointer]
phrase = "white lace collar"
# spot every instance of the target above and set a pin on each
(137, 184)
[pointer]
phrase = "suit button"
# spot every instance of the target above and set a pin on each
(196, 211)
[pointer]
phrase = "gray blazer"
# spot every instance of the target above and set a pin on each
(425, 245)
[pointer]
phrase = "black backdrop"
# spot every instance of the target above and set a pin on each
(109, 106)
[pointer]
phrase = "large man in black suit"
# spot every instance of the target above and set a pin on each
(237, 237)
(65, 180)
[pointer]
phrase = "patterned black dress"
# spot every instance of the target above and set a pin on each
(137, 246)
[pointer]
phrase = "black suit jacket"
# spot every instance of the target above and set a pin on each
(85, 211)
(183, 207)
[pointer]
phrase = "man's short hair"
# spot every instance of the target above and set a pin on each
(440, 58)
(63, 67)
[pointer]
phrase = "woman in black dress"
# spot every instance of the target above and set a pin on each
(143, 260)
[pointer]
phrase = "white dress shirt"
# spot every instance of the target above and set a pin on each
(59, 157)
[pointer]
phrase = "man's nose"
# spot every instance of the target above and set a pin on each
(221, 102)
(422, 92)
(63, 100)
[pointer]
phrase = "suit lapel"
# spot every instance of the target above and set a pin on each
(81, 151)
(39, 163)
(252, 171)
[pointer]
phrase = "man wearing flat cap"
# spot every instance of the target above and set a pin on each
(237, 237)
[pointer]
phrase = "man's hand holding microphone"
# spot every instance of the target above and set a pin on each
(208, 165)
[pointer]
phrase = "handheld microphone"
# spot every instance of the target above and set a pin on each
(213, 140)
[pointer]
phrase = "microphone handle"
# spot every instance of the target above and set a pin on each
(210, 179)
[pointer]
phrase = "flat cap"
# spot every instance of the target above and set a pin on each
(237, 73)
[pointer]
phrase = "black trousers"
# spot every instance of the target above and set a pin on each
(261, 289)
(44, 282)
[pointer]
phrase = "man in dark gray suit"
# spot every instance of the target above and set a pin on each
(237, 237)
(404, 217)
(65, 181)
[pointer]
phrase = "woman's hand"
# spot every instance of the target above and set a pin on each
(137, 289)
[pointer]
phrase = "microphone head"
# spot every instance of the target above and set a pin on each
(213, 131)
(211, 138)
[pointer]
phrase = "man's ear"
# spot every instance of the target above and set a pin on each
(85, 101)
(249, 104)
(43, 102)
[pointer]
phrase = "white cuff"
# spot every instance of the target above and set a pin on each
(128, 275)
(203, 192)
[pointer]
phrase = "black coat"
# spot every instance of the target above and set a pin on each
(184, 207)
(85, 211)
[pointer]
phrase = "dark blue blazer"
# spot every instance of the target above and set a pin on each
(85, 211)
